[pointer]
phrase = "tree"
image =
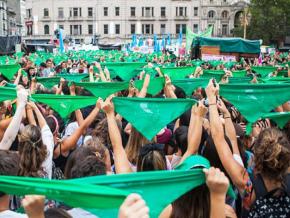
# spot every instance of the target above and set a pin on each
(270, 20)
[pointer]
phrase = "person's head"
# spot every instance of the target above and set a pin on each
(56, 212)
(32, 152)
(272, 154)
(9, 164)
(151, 157)
(49, 63)
(52, 123)
(135, 142)
(194, 204)
(85, 161)
(181, 138)
(184, 119)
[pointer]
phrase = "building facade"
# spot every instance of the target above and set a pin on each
(119, 19)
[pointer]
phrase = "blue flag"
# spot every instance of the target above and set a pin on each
(168, 40)
(61, 45)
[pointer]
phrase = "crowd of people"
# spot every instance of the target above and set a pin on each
(95, 140)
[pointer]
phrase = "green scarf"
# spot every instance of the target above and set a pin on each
(190, 85)
(239, 73)
(7, 94)
(73, 77)
(215, 74)
(264, 70)
(255, 100)
(124, 70)
(64, 105)
(234, 80)
(281, 119)
(48, 82)
(104, 89)
(142, 113)
(155, 85)
(178, 72)
(8, 71)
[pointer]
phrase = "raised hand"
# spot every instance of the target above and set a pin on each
(134, 207)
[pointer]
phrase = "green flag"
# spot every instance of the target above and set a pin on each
(8, 71)
(104, 89)
(189, 38)
(264, 70)
(281, 119)
(48, 82)
(190, 85)
(178, 72)
(124, 70)
(143, 112)
(255, 100)
(64, 105)
(7, 93)
(155, 85)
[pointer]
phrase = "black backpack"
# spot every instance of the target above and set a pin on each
(267, 205)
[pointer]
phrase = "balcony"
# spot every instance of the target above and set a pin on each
(181, 18)
(46, 18)
(147, 18)
(76, 18)
(163, 18)
(61, 19)
(132, 18)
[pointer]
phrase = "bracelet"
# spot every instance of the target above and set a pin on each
(212, 104)
(227, 117)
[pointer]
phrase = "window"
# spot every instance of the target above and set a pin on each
(117, 29)
(211, 14)
(162, 28)
(225, 14)
(28, 13)
(211, 1)
(45, 12)
(181, 27)
(90, 12)
(133, 28)
(195, 11)
(106, 12)
(181, 11)
(224, 29)
(76, 29)
(75, 12)
(195, 28)
(61, 27)
(106, 29)
(46, 29)
(163, 11)
(117, 11)
(147, 28)
(133, 11)
(147, 12)
(60, 13)
(90, 29)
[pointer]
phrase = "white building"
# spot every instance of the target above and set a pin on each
(118, 19)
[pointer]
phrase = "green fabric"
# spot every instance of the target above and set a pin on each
(189, 85)
(276, 80)
(264, 70)
(236, 45)
(255, 100)
(64, 105)
(234, 80)
(73, 77)
(104, 89)
(7, 93)
(281, 119)
(178, 72)
(216, 74)
(124, 70)
(10, 85)
(143, 112)
(155, 85)
(239, 73)
(8, 71)
(75, 195)
(48, 82)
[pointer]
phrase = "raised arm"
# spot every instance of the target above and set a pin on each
(168, 88)
(194, 130)
(78, 113)
(143, 92)
(102, 75)
(19, 73)
(12, 130)
(235, 170)
(122, 163)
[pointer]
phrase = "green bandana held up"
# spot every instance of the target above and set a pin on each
(190, 85)
(264, 70)
(124, 70)
(64, 105)
(7, 94)
(281, 119)
(215, 74)
(8, 71)
(239, 73)
(155, 85)
(234, 80)
(143, 112)
(104, 89)
(255, 100)
(48, 82)
(178, 72)
(73, 77)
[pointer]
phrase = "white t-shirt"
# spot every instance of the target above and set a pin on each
(47, 139)
(12, 214)
(78, 212)
(70, 130)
